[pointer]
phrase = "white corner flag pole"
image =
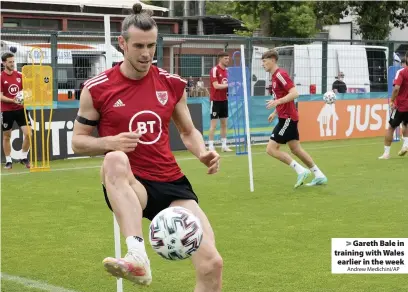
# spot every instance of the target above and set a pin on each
(248, 133)
(116, 229)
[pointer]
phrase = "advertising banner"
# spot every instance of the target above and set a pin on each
(345, 119)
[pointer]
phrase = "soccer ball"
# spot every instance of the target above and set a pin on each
(175, 233)
(20, 97)
(329, 97)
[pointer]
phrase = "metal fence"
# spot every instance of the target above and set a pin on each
(314, 64)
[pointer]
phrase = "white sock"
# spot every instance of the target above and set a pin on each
(135, 242)
(297, 167)
(317, 172)
(405, 142)
(224, 142)
(211, 144)
(387, 150)
(8, 159)
(24, 155)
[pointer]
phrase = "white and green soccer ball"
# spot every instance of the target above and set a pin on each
(329, 97)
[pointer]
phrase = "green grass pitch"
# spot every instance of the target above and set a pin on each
(57, 229)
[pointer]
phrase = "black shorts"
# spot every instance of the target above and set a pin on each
(397, 118)
(161, 194)
(9, 117)
(286, 130)
(219, 109)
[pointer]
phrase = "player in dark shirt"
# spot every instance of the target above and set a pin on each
(339, 86)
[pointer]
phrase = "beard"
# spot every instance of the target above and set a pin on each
(135, 67)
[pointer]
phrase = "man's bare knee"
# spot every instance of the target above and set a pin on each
(213, 124)
(296, 150)
(272, 151)
(26, 130)
(115, 166)
(6, 136)
(211, 267)
(27, 136)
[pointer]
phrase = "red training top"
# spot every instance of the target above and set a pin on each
(281, 84)
(11, 85)
(401, 79)
(221, 76)
(148, 104)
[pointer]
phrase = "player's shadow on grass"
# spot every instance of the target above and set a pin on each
(315, 191)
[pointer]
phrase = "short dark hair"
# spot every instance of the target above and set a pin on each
(404, 60)
(140, 18)
(222, 54)
(5, 56)
(271, 54)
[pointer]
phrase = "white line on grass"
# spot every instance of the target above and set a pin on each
(192, 158)
(53, 169)
(34, 284)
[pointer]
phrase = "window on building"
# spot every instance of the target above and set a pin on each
(190, 65)
(10, 23)
(86, 25)
(165, 28)
(55, 24)
(207, 63)
(196, 65)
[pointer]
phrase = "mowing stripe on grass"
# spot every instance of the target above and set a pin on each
(34, 284)
(192, 158)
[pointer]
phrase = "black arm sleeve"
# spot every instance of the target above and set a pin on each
(87, 122)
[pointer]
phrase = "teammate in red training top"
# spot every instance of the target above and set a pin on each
(219, 101)
(132, 105)
(286, 131)
(399, 112)
(12, 111)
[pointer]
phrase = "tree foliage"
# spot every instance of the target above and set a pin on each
(279, 18)
(297, 21)
(375, 21)
(303, 19)
(220, 7)
(328, 12)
